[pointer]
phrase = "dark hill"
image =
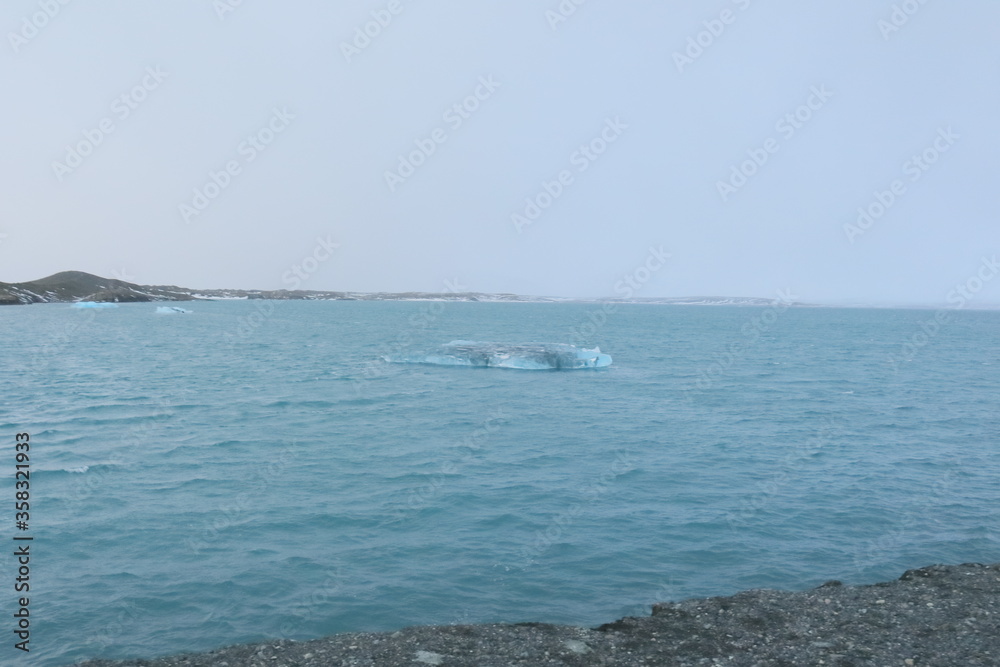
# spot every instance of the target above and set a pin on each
(67, 286)
(70, 286)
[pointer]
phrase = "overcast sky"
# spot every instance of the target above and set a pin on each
(258, 144)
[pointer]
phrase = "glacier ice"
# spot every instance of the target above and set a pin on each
(94, 304)
(524, 356)
(170, 310)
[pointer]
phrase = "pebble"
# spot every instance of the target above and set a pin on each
(429, 658)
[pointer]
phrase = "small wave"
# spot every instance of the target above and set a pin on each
(298, 403)
(77, 470)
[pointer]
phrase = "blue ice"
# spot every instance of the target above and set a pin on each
(524, 356)
(94, 304)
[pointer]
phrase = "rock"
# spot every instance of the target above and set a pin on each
(429, 658)
(760, 627)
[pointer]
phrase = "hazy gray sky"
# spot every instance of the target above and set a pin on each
(257, 144)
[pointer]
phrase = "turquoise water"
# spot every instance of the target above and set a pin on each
(254, 469)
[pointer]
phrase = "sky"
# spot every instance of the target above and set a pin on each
(840, 152)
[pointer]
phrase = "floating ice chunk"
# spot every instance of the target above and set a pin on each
(94, 304)
(170, 310)
(524, 356)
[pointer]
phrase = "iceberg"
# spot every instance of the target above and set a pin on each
(94, 304)
(524, 356)
(170, 310)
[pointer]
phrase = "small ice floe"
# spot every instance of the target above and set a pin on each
(170, 310)
(94, 304)
(524, 356)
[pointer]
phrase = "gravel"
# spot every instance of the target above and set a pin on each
(941, 615)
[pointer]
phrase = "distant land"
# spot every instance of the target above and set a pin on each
(72, 286)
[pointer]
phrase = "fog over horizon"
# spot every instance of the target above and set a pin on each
(844, 153)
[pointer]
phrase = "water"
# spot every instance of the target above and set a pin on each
(254, 470)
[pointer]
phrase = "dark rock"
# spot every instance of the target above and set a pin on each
(937, 616)
(8, 299)
(69, 286)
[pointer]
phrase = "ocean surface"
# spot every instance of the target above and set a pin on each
(256, 470)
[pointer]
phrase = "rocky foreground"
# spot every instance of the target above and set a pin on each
(942, 616)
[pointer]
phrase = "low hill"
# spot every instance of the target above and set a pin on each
(70, 286)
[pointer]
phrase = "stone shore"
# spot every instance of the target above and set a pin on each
(936, 616)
